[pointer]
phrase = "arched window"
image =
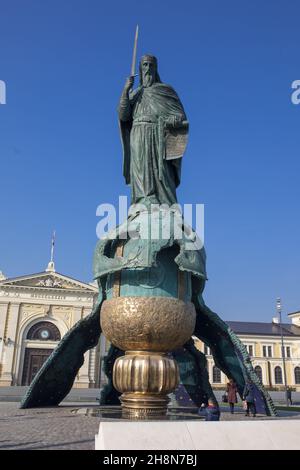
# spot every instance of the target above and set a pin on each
(44, 331)
(297, 375)
(278, 375)
(258, 372)
(216, 375)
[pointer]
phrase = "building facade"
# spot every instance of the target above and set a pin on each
(263, 343)
(36, 311)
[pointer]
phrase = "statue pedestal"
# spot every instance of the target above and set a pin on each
(119, 432)
(199, 435)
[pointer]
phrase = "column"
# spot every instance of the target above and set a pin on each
(82, 379)
(92, 367)
(86, 311)
(3, 314)
(8, 349)
(102, 354)
(76, 314)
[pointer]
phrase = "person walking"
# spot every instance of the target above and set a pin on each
(248, 396)
(289, 395)
(231, 390)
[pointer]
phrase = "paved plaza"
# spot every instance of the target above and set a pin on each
(45, 428)
(69, 426)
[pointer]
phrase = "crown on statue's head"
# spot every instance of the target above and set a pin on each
(149, 58)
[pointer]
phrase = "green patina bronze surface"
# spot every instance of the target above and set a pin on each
(149, 265)
(142, 250)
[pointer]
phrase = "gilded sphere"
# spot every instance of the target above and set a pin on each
(147, 323)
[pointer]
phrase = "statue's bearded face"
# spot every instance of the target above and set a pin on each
(148, 72)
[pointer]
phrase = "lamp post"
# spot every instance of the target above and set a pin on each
(278, 307)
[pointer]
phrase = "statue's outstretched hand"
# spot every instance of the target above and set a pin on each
(129, 84)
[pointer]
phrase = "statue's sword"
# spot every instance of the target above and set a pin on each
(134, 52)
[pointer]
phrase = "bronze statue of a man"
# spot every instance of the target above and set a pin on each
(154, 132)
(148, 115)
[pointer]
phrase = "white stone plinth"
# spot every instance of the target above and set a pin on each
(198, 435)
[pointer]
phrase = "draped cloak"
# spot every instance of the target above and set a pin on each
(152, 178)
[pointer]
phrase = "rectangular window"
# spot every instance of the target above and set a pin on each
(250, 350)
(287, 351)
(216, 375)
(267, 351)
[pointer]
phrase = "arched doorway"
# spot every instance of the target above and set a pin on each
(35, 357)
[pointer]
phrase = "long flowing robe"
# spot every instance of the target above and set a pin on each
(142, 121)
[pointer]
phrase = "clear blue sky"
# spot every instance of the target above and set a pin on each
(232, 62)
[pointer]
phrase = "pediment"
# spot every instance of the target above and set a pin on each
(48, 280)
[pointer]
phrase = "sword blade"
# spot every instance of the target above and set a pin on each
(132, 73)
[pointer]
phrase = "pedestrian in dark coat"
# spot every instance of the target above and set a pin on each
(289, 395)
(248, 396)
(231, 390)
